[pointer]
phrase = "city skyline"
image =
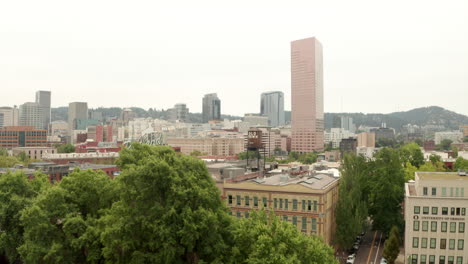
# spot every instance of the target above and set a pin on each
(142, 62)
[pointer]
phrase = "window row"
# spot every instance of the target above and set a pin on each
(442, 243)
(453, 191)
(445, 210)
(423, 259)
(278, 203)
(443, 226)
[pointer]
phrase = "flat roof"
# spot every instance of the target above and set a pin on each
(318, 182)
(425, 175)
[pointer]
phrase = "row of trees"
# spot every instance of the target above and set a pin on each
(305, 158)
(163, 208)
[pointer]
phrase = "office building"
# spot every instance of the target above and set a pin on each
(348, 145)
(347, 124)
(211, 107)
(30, 114)
(307, 119)
(336, 135)
(22, 136)
(179, 113)
(43, 100)
(217, 146)
(454, 136)
(272, 106)
(76, 111)
(256, 120)
(9, 116)
(366, 139)
(435, 218)
(307, 201)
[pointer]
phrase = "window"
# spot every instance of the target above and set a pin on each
(451, 243)
(461, 244)
(424, 242)
(457, 192)
(255, 201)
(265, 204)
(286, 204)
(238, 214)
(314, 224)
(431, 259)
(416, 226)
(294, 220)
(230, 199)
(433, 243)
(415, 242)
(417, 209)
(294, 204)
(463, 211)
(442, 260)
(424, 225)
(246, 214)
(434, 191)
(434, 210)
(309, 205)
(444, 210)
(315, 206)
(281, 203)
(275, 203)
(458, 210)
(414, 259)
(425, 191)
(461, 227)
(451, 191)
(452, 211)
(425, 210)
(285, 218)
(433, 226)
(443, 226)
(238, 200)
(450, 260)
(453, 227)
(444, 191)
(304, 223)
(459, 260)
(462, 192)
(303, 205)
(443, 243)
(247, 200)
(423, 259)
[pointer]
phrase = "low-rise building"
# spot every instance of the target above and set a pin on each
(454, 136)
(435, 218)
(366, 139)
(34, 153)
(209, 146)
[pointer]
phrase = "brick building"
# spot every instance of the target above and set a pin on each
(22, 136)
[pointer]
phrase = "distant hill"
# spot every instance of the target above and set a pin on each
(424, 116)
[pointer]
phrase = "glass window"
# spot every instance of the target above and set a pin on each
(238, 214)
(416, 226)
(458, 210)
(246, 214)
(434, 191)
(457, 192)
(275, 203)
(294, 204)
(424, 242)
(285, 218)
(451, 191)
(314, 224)
(426, 210)
(444, 210)
(444, 191)
(425, 225)
(443, 226)
(462, 192)
(304, 223)
(450, 260)
(441, 259)
(415, 242)
(459, 260)
(303, 205)
(431, 259)
(461, 227)
(461, 243)
(425, 191)
(443, 243)
(265, 202)
(255, 201)
(423, 259)
(451, 243)
(238, 200)
(281, 203)
(433, 243)
(230, 199)
(417, 209)
(452, 211)
(414, 259)
(463, 211)
(294, 220)
(309, 205)
(433, 226)
(247, 200)
(315, 206)
(286, 204)
(453, 227)
(434, 210)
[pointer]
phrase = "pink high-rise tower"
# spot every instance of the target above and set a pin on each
(306, 95)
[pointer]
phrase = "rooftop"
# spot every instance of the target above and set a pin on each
(440, 176)
(318, 182)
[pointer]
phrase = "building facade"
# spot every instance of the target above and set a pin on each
(31, 114)
(307, 119)
(272, 106)
(76, 111)
(435, 218)
(454, 136)
(366, 139)
(9, 116)
(208, 146)
(211, 107)
(34, 153)
(308, 202)
(179, 113)
(255, 120)
(43, 100)
(22, 136)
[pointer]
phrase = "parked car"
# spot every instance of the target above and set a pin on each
(351, 259)
(383, 261)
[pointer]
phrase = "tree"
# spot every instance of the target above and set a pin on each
(445, 144)
(66, 148)
(465, 139)
(434, 158)
(16, 194)
(308, 158)
(8, 161)
(461, 164)
(3, 152)
(249, 154)
(351, 210)
(23, 157)
(263, 238)
(412, 153)
(195, 153)
(61, 225)
(432, 166)
(410, 170)
(169, 211)
(455, 151)
(387, 190)
(392, 246)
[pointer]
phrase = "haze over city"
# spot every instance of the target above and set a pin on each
(378, 57)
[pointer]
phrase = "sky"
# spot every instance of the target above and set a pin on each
(379, 56)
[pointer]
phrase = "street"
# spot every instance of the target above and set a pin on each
(370, 250)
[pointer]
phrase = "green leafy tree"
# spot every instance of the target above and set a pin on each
(351, 210)
(387, 190)
(66, 148)
(61, 226)
(432, 166)
(412, 153)
(16, 194)
(444, 144)
(249, 154)
(3, 152)
(392, 246)
(465, 139)
(455, 151)
(263, 238)
(461, 164)
(23, 157)
(195, 153)
(434, 158)
(410, 171)
(169, 211)
(8, 161)
(308, 158)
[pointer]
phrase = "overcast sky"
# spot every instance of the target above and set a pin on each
(379, 56)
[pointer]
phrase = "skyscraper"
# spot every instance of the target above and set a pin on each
(306, 95)
(272, 106)
(76, 110)
(43, 100)
(30, 114)
(211, 107)
(10, 116)
(179, 113)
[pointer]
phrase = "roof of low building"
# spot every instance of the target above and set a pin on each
(423, 175)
